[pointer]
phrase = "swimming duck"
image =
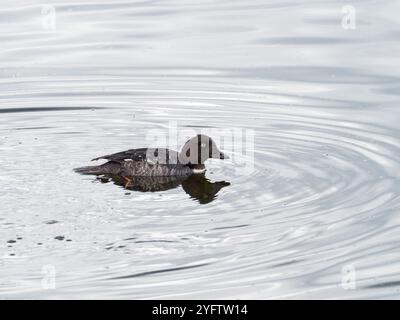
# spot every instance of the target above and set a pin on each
(159, 162)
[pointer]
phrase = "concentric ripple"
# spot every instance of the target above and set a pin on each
(320, 193)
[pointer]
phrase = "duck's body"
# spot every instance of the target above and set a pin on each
(138, 168)
(159, 162)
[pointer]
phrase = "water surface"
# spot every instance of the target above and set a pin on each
(322, 198)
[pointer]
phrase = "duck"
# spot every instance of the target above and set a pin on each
(159, 162)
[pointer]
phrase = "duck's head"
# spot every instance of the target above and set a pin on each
(198, 149)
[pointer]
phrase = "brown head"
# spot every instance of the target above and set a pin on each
(198, 149)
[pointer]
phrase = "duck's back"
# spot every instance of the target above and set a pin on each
(150, 155)
(145, 162)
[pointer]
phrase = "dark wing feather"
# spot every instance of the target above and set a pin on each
(142, 154)
(133, 154)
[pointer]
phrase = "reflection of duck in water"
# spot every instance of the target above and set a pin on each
(202, 189)
(159, 162)
(159, 169)
(197, 186)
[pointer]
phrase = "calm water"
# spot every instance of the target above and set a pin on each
(320, 206)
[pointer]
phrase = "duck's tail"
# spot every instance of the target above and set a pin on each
(110, 167)
(90, 170)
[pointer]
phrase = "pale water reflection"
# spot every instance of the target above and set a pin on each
(197, 186)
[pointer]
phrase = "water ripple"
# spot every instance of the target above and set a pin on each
(320, 195)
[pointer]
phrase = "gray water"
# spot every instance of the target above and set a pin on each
(316, 217)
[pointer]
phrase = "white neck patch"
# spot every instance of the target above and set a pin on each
(199, 170)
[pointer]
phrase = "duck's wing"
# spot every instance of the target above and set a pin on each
(132, 154)
(151, 155)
